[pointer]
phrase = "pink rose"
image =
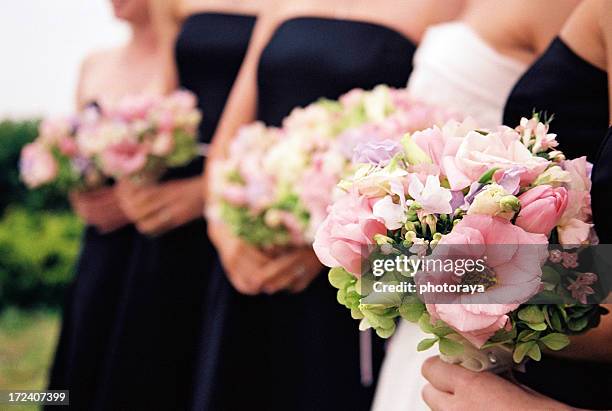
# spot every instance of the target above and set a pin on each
(542, 208)
(347, 230)
(124, 158)
(37, 165)
(513, 260)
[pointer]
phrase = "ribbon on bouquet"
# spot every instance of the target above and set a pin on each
(365, 358)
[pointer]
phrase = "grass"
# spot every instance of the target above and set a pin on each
(27, 344)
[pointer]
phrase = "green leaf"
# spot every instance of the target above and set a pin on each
(555, 341)
(487, 176)
(534, 353)
(411, 311)
(426, 344)
(442, 330)
(521, 350)
(414, 154)
(538, 327)
(578, 325)
(528, 335)
(450, 347)
(340, 278)
(531, 314)
(425, 324)
(341, 297)
(356, 314)
(550, 275)
(385, 332)
(555, 320)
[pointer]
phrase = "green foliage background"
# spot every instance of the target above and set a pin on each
(39, 237)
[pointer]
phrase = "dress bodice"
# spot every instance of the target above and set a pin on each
(455, 68)
(601, 193)
(308, 58)
(563, 84)
(208, 57)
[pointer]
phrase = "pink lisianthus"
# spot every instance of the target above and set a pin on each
(37, 165)
(474, 322)
(514, 260)
(479, 153)
(349, 227)
(439, 143)
(124, 158)
(542, 208)
(575, 225)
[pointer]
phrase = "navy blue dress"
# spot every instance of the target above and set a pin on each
(576, 92)
(148, 354)
(301, 351)
(565, 85)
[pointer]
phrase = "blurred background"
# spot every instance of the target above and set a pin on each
(42, 44)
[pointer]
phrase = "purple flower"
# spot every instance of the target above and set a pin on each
(510, 179)
(376, 152)
(581, 288)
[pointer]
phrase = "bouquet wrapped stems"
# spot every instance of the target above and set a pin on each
(496, 359)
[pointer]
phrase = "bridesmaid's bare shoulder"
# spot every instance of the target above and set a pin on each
(585, 31)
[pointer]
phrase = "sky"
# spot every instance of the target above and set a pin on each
(42, 43)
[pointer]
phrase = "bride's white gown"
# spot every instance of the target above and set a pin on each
(454, 68)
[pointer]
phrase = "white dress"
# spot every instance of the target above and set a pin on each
(454, 68)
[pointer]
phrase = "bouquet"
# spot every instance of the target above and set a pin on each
(475, 235)
(156, 134)
(274, 188)
(55, 158)
(140, 137)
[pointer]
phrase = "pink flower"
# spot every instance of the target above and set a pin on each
(575, 225)
(315, 191)
(347, 230)
(581, 288)
(432, 197)
(37, 165)
(541, 209)
(512, 274)
(68, 146)
(124, 158)
(130, 108)
(52, 130)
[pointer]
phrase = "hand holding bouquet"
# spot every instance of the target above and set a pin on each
(475, 235)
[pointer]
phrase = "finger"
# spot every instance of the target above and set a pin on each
(304, 281)
(280, 272)
(443, 376)
(156, 223)
(436, 400)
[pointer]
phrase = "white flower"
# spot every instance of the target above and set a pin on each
(432, 197)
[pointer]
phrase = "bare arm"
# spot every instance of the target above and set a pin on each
(166, 25)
